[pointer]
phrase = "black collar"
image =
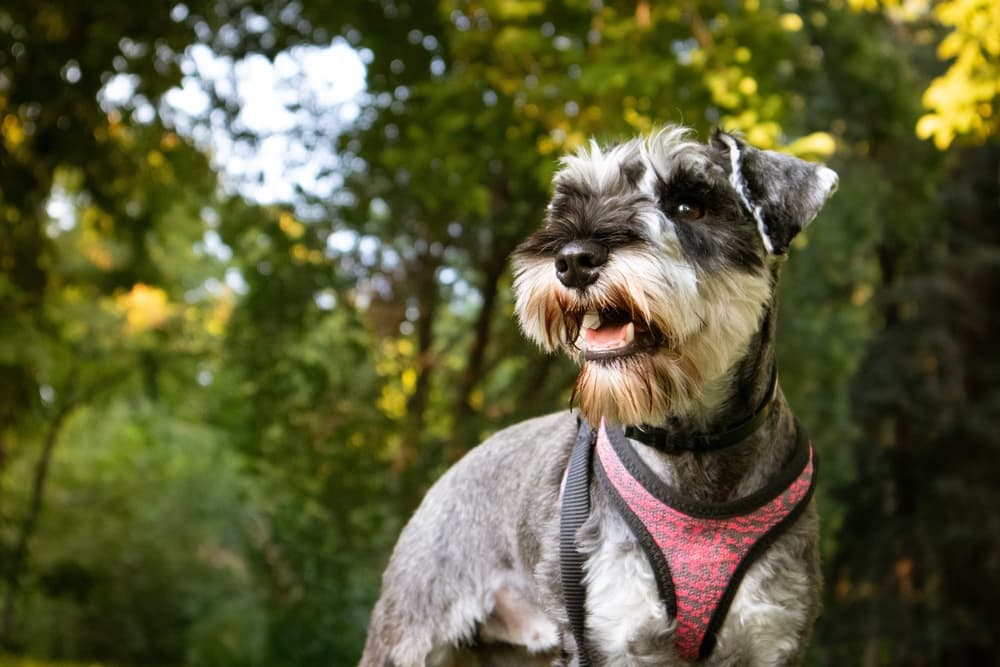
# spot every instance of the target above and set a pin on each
(659, 438)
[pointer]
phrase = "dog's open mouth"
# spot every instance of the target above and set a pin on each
(611, 333)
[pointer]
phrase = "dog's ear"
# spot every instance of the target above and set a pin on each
(782, 192)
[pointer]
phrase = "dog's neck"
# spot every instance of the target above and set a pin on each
(745, 386)
(741, 468)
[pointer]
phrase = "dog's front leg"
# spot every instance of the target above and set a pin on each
(435, 611)
(438, 597)
(461, 576)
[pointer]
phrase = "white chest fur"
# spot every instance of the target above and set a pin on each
(628, 625)
(625, 616)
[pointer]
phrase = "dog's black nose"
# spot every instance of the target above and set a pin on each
(579, 263)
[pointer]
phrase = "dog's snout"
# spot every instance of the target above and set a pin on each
(579, 263)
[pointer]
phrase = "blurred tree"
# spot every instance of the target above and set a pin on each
(154, 571)
(102, 283)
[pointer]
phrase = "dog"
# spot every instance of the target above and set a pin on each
(669, 519)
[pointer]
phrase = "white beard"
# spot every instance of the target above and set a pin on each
(706, 325)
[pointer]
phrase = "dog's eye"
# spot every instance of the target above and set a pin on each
(689, 211)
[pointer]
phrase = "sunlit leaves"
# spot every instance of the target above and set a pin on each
(396, 366)
(145, 308)
(815, 146)
(963, 102)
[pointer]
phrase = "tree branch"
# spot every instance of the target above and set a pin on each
(19, 558)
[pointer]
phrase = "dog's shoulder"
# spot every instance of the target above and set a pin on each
(553, 431)
(518, 466)
(529, 453)
(539, 444)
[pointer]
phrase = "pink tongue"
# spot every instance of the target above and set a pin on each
(608, 337)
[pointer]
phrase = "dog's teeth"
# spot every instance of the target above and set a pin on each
(591, 320)
(630, 332)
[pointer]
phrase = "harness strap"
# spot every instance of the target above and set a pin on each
(575, 509)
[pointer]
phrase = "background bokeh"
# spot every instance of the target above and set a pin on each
(255, 296)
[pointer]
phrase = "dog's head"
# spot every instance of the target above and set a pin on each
(656, 264)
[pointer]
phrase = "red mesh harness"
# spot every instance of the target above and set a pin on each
(698, 551)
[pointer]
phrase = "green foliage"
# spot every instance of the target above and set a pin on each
(167, 495)
(214, 419)
(10, 661)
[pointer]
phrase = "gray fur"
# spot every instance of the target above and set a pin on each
(476, 570)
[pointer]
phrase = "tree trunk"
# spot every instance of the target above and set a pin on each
(472, 374)
(414, 457)
(18, 563)
(19, 558)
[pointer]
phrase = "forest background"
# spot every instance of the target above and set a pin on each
(236, 347)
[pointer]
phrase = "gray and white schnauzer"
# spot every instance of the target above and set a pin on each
(670, 520)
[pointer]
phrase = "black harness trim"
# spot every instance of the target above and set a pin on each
(659, 438)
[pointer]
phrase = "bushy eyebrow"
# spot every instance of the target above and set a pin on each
(690, 182)
(633, 172)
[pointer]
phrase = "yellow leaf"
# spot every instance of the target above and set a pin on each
(790, 22)
(477, 399)
(519, 9)
(927, 125)
(292, 228)
(13, 135)
(100, 257)
(963, 100)
(409, 380)
(392, 402)
(169, 141)
(748, 86)
(815, 145)
(145, 307)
